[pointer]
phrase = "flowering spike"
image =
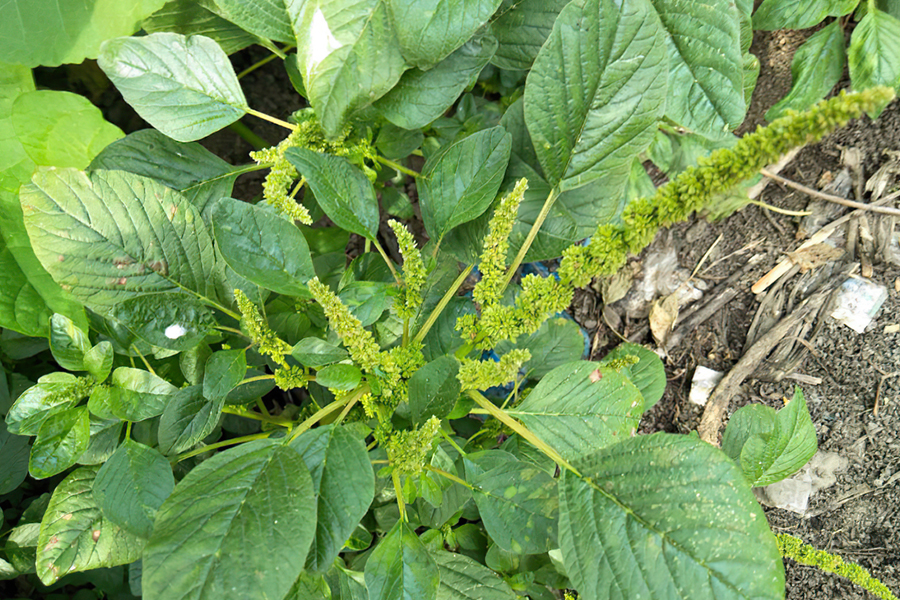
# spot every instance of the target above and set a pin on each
(480, 375)
(489, 290)
(413, 271)
(262, 335)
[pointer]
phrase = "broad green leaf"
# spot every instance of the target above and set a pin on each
(21, 547)
(434, 389)
(395, 143)
(348, 55)
(51, 394)
(339, 377)
(798, 14)
(579, 407)
(259, 497)
(53, 32)
(400, 568)
(665, 516)
(352, 585)
(183, 86)
(225, 369)
(596, 91)
(201, 176)
(461, 180)
(453, 496)
(522, 27)
(648, 374)
(422, 96)
(267, 19)
(816, 68)
(131, 486)
(464, 579)
(74, 534)
(342, 190)
(874, 53)
(29, 295)
(309, 586)
(443, 338)
(61, 129)
(429, 30)
(188, 17)
(262, 247)
(14, 452)
(367, 300)
(61, 440)
(138, 394)
(115, 235)
(558, 341)
(98, 361)
(706, 65)
(105, 434)
(517, 501)
(68, 343)
(187, 419)
(344, 485)
(746, 422)
(773, 456)
(315, 352)
(171, 320)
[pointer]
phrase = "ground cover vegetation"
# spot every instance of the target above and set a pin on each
(204, 399)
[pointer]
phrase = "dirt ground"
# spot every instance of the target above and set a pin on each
(859, 516)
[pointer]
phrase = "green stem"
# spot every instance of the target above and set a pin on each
(387, 261)
(232, 330)
(399, 491)
(231, 442)
(323, 412)
(242, 412)
(451, 292)
(268, 45)
(265, 61)
(449, 476)
(270, 119)
(397, 166)
(453, 443)
(249, 135)
(523, 431)
(542, 216)
(143, 360)
(257, 378)
(262, 408)
(356, 396)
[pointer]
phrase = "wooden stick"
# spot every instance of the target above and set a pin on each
(885, 210)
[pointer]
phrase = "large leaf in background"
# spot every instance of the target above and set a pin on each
(188, 17)
(816, 68)
(517, 501)
(582, 406)
(116, 235)
(434, 389)
(61, 129)
(28, 295)
(522, 27)
(798, 14)
(259, 498)
(183, 86)
(779, 453)
(14, 451)
(342, 190)
(132, 485)
(596, 92)
(429, 30)
(400, 568)
(874, 53)
(266, 18)
(654, 517)
(172, 321)
(187, 419)
(465, 579)
(558, 341)
(262, 246)
(190, 168)
(648, 374)
(61, 440)
(422, 96)
(348, 55)
(52, 32)
(705, 65)
(74, 534)
(344, 485)
(461, 180)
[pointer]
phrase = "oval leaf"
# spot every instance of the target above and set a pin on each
(648, 374)
(434, 389)
(137, 394)
(400, 568)
(464, 579)
(187, 419)
(68, 343)
(259, 496)
(654, 517)
(315, 352)
(225, 369)
(183, 86)
(172, 321)
(522, 27)
(132, 485)
(266, 18)
(874, 53)
(51, 394)
(14, 450)
(61, 440)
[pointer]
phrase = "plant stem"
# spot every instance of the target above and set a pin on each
(257, 417)
(523, 431)
(451, 292)
(249, 135)
(323, 412)
(270, 119)
(397, 166)
(449, 476)
(144, 360)
(399, 491)
(265, 61)
(257, 378)
(231, 442)
(450, 440)
(272, 48)
(542, 216)
(388, 261)
(232, 330)
(359, 393)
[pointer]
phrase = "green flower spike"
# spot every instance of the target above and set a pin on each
(483, 374)
(260, 333)
(413, 272)
(489, 290)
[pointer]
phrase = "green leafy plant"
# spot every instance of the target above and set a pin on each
(425, 444)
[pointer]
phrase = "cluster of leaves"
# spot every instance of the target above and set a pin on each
(420, 443)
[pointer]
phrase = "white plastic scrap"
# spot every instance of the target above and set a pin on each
(704, 382)
(175, 331)
(793, 493)
(858, 301)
